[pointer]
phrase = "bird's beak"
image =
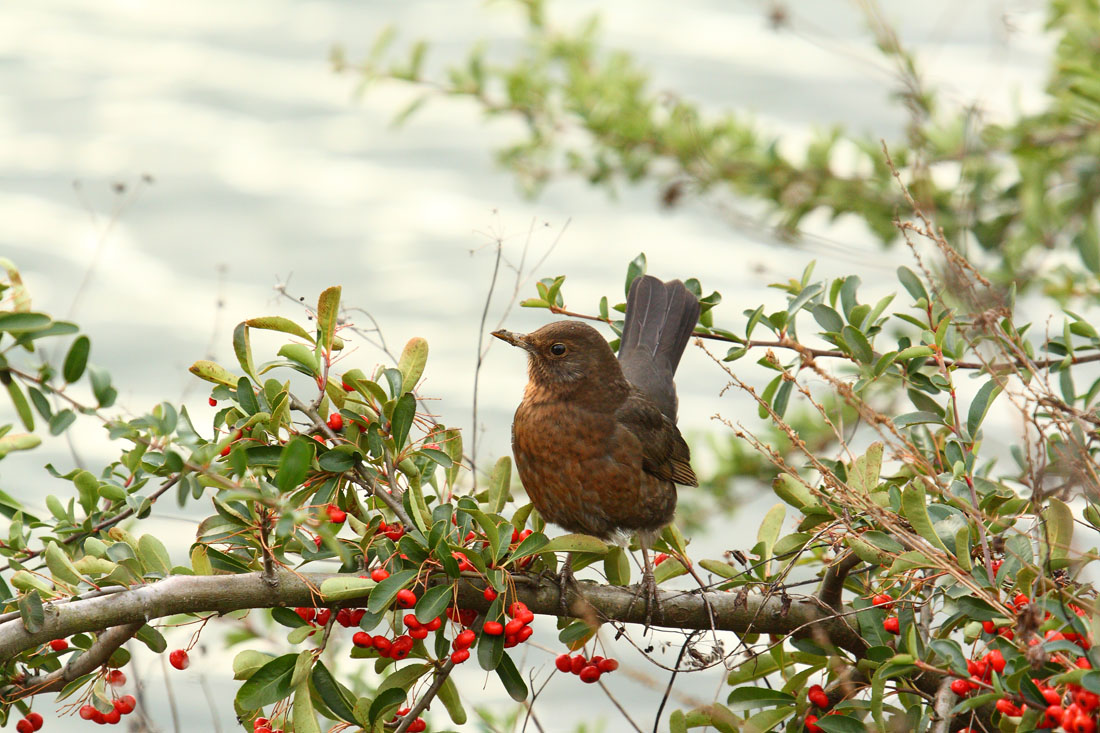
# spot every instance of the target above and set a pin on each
(515, 339)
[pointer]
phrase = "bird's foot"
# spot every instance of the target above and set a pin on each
(647, 591)
(566, 584)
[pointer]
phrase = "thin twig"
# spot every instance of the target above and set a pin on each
(418, 707)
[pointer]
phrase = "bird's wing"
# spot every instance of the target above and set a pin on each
(665, 454)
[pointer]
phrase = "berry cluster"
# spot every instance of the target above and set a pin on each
(461, 646)
(817, 697)
(589, 670)
(336, 515)
(346, 617)
(397, 648)
(29, 724)
(121, 706)
(516, 631)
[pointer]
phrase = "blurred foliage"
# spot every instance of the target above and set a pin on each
(1006, 194)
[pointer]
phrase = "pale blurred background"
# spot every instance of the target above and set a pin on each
(163, 166)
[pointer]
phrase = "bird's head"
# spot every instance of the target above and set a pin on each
(564, 354)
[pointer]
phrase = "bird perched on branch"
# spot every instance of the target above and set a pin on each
(595, 438)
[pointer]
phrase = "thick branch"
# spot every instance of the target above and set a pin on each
(78, 665)
(833, 583)
(743, 613)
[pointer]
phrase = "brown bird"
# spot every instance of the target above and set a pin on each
(595, 438)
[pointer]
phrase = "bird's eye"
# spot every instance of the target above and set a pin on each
(557, 349)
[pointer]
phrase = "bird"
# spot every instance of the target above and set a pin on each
(595, 438)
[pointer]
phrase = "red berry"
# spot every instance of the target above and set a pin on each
(262, 729)
(564, 663)
(323, 615)
(883, 601)
(577, 663)
(418, 633)
(24, 726)
(816, 695)
(996, 660)
(988, 627)
(512, 627)
(59, 645)
(892, 625)
(608, 665)
(493, 628)
(434, 624)
(524, 634)
(589, 673)
(1020, 599)
(115, 678)
(458, 656)
(112, 717)
(226, 450)
(1005, 706)
(518, 610)
(960, 688)
(178, 659)
(382, 644)
(378, 575)
(346, 387)
(661, 557)
(125, 704)
(490, 594)
(35, 719)
(406, 598)
(418, 726)
(1055, 713)
(1083, 663)
(260, 721)
(336, 515)
(402, 645)
(336, 422)
(811, 724)
(87, 712)
(306, 614)
(411, 622)
(465, 639)
(1052, 696)
(213, 402)
(362, 640)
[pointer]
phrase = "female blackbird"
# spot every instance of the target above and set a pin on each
(595, 438)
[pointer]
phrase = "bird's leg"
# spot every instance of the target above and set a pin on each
(566, 584)
(649, 586)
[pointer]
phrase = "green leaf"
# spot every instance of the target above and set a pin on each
(403, 413)
(827, 318)
(345, 587)
(22, 408)
(448, 695)
(328, 307)
(512, 679)
(151, 638)
(386, 703)
(576, 543)
(858, 344)
(212, 372)
(1059, 531)
(635, 269)
(864, 473)
(31, 611)
(278, 323)
(915, 507)
(303, 356)
(980, 406)
(917, 418)
(616, 566)
(61, 566)
(499, 481)
(749, 698)
(411, 365)
(294, 463)
(434, 601)
(242, 347)
(768, 533)
(61, 421)
(840, 724)
(912, 283)
(154, 555)
(305, 720)
(334, 695)
(76, 360)
(23, 322)
(269, 684)
(385, 592)
(531, 545)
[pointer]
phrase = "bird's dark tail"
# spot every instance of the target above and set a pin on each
(659, 320)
